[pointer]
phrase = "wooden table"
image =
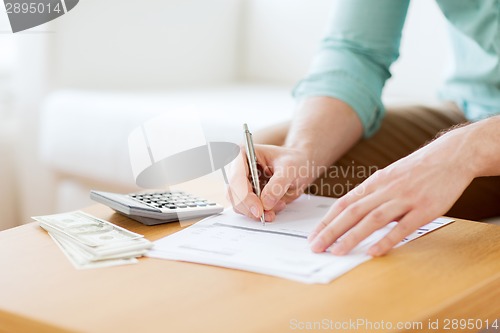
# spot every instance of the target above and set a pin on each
(451, 273)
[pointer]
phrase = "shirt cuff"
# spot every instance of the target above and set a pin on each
(340, 85)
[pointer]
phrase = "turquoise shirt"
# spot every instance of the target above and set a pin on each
(363, 40)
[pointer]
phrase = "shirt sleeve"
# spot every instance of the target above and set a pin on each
(352, 63)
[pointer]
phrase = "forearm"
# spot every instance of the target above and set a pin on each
(324, 129)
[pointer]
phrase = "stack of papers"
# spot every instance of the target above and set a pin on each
(89, 242)
(279, 248)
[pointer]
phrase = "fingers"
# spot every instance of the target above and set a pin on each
(376, 219)
(345, 232)
(238, 178)
(277, 187)
(240, 191)
(332, 213)
(269, 215)
(250, 206)
(279, 206)
(294, 192)
(345, 220)
(408, 224)
(338, 207)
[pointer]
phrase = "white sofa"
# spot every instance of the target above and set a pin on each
(115, 64)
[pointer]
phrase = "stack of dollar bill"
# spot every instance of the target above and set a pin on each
(89, 242)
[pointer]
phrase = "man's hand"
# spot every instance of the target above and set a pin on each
(280, 180)
(322, 131)
(412, 191)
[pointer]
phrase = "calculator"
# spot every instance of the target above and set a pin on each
(157, 207)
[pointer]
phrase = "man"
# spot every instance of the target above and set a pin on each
(341, 123)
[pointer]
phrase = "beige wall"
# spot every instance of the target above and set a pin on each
(9, 204)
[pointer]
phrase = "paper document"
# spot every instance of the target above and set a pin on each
(279, 248)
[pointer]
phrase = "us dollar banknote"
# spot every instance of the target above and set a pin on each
(87, 229)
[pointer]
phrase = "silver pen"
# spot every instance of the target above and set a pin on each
(252, 164)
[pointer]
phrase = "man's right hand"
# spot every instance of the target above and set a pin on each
(323, 129)
(283, 178)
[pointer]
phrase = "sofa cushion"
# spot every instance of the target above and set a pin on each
(85, 133)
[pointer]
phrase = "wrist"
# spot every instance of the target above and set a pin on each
(474, 148)
(307, 161)
(483, 141)
(305, 148)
